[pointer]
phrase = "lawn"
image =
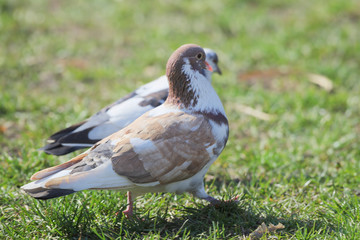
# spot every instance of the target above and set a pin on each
(296, 161)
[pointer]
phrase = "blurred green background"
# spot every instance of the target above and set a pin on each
(61, 61)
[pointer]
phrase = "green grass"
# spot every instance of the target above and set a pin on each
(61, 61)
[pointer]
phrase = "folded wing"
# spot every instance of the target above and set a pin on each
(150, 151)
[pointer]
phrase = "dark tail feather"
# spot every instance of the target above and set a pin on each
(58, 149)
(67, 136)
(56, 136)
(45, 193)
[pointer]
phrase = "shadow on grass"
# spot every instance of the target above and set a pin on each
(229, 219)
(76, 219)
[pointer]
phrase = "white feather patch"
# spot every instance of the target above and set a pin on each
(143, 147)
(154, 86)
(43, 181)
(152, 184)
(162, 109)
(219, 131)
(207, 99)
(102, 177)
(85, 145)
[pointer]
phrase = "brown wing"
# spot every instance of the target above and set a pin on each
(168, 148)
(52, 170)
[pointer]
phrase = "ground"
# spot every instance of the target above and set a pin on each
(293, 154)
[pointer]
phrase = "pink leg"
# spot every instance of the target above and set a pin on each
(129, 210)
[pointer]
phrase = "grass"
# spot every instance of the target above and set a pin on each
(61, 61)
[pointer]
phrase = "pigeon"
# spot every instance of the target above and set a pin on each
(167, 149)
(117, 115)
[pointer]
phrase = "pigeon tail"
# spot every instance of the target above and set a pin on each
(67, 141)
(58, 149)
(46, 193)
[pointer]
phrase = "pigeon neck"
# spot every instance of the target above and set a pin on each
(190, 89)
(180, 93)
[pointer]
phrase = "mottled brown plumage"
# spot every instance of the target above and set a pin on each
(180, 92)
(168, 149)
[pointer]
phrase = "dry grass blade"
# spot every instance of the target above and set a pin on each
(278, 79)
(321, 81)
(263, 75)
(262, 229)
(252, 112)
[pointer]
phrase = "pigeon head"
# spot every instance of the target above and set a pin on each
(189, 87)
(212, 59)
(190, 55)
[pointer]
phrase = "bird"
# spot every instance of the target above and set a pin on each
(168, 149)
(117, 115)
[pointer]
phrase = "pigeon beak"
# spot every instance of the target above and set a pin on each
(208, 67)
(217, 69)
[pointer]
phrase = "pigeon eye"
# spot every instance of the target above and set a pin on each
(199, 56)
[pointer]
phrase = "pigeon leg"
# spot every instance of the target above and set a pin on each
(216, 202)
(212, 200)
(200, 193)
(129, 209)
(203, 195)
